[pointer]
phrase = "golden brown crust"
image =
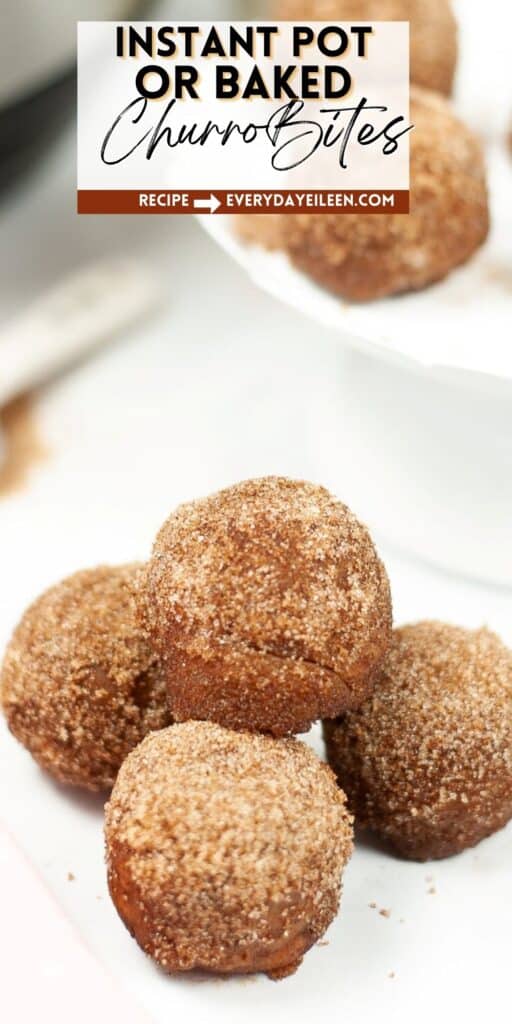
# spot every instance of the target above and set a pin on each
(225, 850)
(363, 257)
(80, 683)
(268, 606)
(427, 760)
(433, 30)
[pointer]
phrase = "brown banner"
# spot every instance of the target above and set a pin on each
(160, 201)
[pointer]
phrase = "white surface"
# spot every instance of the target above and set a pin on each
(463, 323)
(60, 972)
(227, 384)
(223, 386)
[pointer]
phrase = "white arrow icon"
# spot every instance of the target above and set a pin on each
(212, 204)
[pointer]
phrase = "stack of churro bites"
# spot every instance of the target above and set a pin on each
(183, 683)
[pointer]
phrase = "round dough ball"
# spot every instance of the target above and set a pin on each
(268, 606)
(368, 256)
(426, 762)
(80, 685)
(225, 850)
(433, 30)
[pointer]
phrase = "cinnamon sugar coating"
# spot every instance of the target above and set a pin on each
(80, 684)
(225, 850)
(363, 256)
(268, 606)
(267, 230)
(426, 762)
(433, 30)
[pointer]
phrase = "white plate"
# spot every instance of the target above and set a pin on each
(463, 323)
(187, 405)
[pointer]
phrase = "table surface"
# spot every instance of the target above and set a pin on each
(222, 384)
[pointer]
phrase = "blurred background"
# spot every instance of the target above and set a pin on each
(183, 376)
(209, 379)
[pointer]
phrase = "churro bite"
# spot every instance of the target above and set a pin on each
(268, 607)
(426, 762)
(225, 850)
(362, 257)
(80, 684)
(433, 30)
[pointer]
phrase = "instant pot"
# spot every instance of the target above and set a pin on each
(37, 70)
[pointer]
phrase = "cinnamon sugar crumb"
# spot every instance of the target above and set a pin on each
(21, 440)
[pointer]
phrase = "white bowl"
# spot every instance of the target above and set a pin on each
(426, 394)
(428, 465)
